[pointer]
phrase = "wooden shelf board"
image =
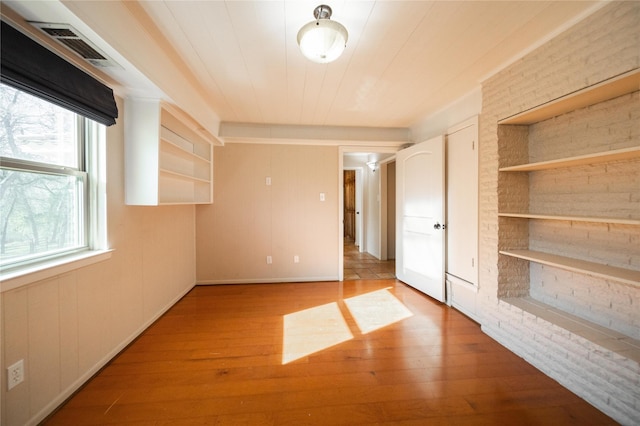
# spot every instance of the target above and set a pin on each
(580, 160)
(182, 176)
(592, 219)
(627, 276)
(628, 82)
(176, 141)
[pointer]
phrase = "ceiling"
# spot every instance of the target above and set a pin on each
(404, 61)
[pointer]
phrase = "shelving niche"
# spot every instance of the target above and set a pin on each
(168, 156)
(521, 202)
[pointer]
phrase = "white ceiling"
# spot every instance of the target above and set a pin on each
(404, 61)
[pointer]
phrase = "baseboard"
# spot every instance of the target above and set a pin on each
(267, 280)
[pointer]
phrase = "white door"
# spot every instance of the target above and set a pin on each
(420, 234)
(462, 204)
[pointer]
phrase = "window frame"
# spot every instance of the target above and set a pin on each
(90, 150)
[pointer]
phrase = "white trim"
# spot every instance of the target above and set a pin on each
(268, 280)
(393, 145)
(231, 132)
(463, 125)
(11, 280)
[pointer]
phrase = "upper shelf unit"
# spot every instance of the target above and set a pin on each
(612, 88)
(168, 156)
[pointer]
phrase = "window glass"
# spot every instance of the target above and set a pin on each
(36, 130)
(43, 184)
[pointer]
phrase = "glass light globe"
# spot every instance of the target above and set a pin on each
(323, 40)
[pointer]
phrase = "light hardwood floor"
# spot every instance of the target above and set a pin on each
(329, 353)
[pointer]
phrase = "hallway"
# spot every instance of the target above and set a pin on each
(363, 266)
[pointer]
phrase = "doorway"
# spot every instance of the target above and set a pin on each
(364, 232)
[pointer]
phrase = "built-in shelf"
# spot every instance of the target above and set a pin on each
(580, 160)
(592, 219)
(626, 276)
(612, 88)
(198, 151)
(168, 156)
(523, 194)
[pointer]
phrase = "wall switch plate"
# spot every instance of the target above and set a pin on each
(322, 197)
(269, 260)
(296, 259)
(267, 180)
(15, 374)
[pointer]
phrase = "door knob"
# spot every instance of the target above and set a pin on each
(437, 226)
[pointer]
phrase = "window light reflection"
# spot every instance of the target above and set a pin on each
(318, 328)
(377, 309)
(312, 330)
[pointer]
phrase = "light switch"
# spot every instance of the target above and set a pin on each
(322, 196)
(267, 180)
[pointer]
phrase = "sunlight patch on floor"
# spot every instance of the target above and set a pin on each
(312, 330)
(315, 329)
(377, 309)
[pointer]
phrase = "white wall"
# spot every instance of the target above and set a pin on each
(68, 326)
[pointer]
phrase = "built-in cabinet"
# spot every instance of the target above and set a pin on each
(518, 191)
(168, 156)
(462, 217)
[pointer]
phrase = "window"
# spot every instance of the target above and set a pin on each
(45, 179)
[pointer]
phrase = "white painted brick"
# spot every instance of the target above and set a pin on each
(601, 46)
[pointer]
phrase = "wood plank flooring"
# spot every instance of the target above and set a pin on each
(216, 358)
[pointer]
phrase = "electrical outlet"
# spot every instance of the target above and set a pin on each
(15, 374)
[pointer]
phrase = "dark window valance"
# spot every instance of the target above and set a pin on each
(28, 66)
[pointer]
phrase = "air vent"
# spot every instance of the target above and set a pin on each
(68, 36)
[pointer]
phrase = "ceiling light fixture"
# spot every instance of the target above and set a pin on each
(322, 40)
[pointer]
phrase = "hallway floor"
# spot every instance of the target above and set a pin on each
(363, 266)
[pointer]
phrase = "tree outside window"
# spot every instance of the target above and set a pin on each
(43, 179)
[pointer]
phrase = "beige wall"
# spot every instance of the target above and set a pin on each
(66, 327)
(250, 220)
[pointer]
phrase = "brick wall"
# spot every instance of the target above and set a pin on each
(601, 46)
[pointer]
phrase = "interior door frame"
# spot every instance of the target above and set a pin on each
(341, 151)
